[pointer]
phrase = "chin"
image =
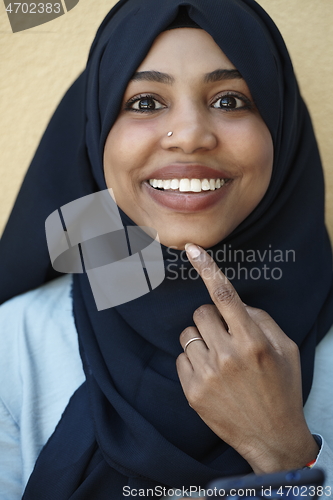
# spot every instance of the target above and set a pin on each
(205, 241)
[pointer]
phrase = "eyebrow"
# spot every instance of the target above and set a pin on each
(153, 76)
(215, 76)
(222, 74)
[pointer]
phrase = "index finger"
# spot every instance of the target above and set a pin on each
(219, 287)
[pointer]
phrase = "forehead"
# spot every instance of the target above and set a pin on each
(190, 48)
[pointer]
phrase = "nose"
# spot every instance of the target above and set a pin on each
(191, 131)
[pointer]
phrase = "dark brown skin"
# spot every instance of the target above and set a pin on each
(244, 378)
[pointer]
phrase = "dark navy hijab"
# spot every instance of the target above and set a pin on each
(129, 424)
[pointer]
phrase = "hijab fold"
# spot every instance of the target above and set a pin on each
(129, 424)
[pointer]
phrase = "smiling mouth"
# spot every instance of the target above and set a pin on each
(188, 185)
(188, 195)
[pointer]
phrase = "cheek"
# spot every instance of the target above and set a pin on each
(262, 150)
(252, 150)
(128, 144)
(250, 141)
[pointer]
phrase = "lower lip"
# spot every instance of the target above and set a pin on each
(187, 202)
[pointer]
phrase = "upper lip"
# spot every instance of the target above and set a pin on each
(187, 171)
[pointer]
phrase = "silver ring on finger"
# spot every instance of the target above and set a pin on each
(192, 340)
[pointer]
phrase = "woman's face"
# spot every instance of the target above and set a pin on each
(215, 167)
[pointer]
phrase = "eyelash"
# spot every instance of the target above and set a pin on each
(247, 102)
(133, 100)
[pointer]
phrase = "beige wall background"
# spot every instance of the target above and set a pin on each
(39, 64)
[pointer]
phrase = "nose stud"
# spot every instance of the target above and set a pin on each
(170, 134)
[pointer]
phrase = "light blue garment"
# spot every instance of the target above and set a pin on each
(40, 369)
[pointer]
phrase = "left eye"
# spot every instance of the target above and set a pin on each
(146, 104)
(228, 102)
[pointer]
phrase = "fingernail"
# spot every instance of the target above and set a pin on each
(192, 250)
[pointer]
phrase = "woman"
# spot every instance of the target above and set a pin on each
(196, 92)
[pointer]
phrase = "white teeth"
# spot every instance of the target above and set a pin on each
(188, 185)
(205, 185)
(185, 185)
(196, 185)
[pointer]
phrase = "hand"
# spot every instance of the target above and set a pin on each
(244, 377)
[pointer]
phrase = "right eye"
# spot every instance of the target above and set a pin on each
(144, 104)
